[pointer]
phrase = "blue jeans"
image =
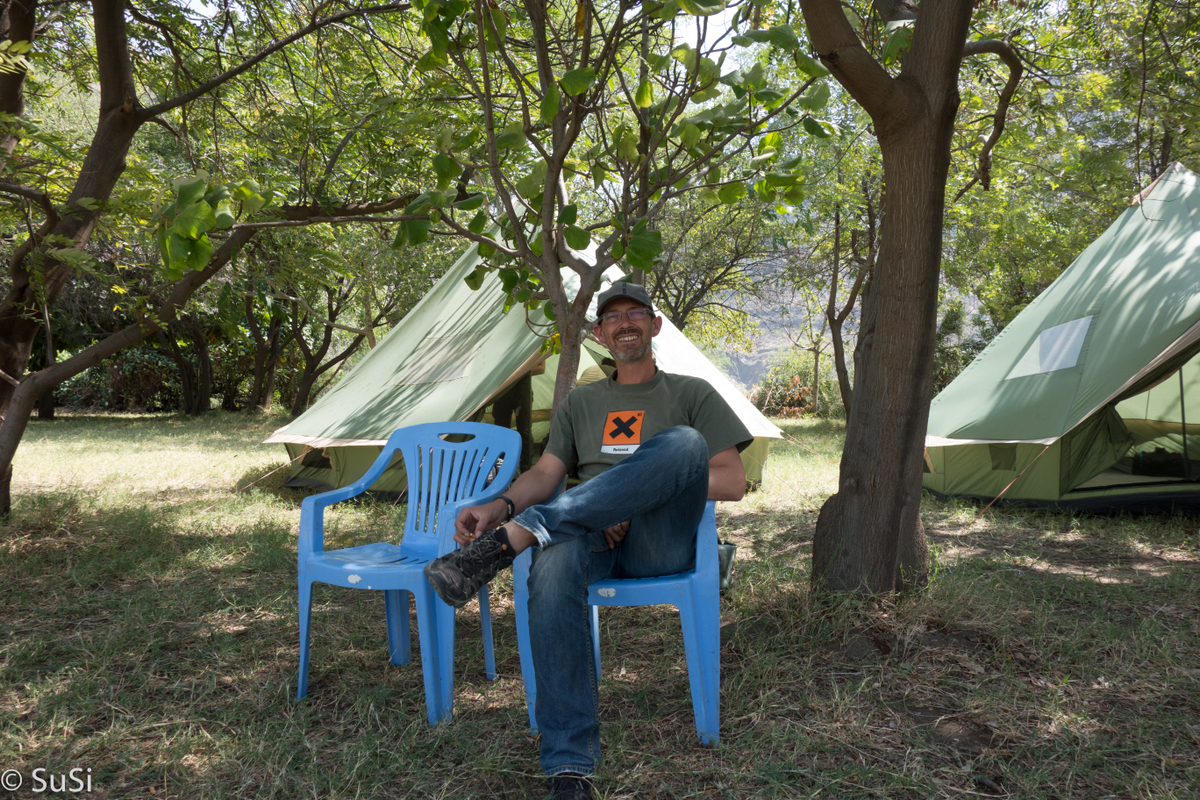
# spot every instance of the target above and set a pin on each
(660, 489)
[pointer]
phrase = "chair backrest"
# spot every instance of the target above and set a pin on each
(442, 472)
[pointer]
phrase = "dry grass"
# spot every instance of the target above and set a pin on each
(148, 633)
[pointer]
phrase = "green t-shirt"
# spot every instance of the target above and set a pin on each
(603, 422)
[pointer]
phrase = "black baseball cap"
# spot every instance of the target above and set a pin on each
(623, 289)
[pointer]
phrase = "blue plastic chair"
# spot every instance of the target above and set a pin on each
(443, 478)
(696, 593)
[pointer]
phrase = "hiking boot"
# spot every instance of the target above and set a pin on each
(569, 786)
(458, 576)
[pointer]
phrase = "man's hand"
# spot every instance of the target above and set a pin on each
(616, 534)
(475, 520)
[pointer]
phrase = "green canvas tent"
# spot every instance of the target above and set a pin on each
(449, 359)
(1090, 398)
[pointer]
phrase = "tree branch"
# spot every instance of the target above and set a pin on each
(1004, 49)
(41, 198)
(233, 72)
(839, 48)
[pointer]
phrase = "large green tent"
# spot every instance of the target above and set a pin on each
(1090, 398)
(449, 359)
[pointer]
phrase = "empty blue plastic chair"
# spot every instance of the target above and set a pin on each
(696, 593)
(443, 478)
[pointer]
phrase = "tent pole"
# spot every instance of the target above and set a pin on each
(1187, 466)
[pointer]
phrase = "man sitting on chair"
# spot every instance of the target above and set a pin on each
(649, 448)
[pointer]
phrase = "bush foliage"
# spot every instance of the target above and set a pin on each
(137, 379)
(786, 390)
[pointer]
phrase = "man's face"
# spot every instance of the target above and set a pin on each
(628, 341)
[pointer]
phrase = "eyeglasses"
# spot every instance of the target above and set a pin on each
(633, 315)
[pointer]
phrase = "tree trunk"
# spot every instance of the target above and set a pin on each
(869, 536)
(874, 518)
(196, 379)
(839, 365)
(268, 351)
(204, 370)
(119, 120)
(816, 389)
(303, 391)
(187, 375)
(45, 404)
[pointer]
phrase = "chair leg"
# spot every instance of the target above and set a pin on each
(395, 604)
(701, 623)
(428, 635)
(485, 621)
(595, 618)
(444, 655)
(521, 610)
(305, 611)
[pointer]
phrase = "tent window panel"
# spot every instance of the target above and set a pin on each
(1056, 348)
(440, 358)
(1004, 456)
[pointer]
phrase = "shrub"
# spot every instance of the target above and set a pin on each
(137, 379)
(786, 389)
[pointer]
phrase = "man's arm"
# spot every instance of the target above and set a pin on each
(726, 476)
(532, 487)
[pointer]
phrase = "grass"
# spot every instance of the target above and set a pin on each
(148, 633)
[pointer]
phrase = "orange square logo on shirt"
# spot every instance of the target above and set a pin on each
(622, 432)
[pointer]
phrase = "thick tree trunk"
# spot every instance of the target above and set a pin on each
(103, 166)
(869, 536)
(874, 519)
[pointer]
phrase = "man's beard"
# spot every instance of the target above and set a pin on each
(620, 356)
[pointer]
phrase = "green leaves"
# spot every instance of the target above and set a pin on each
(445, 169)
(431, 61)
(499, 20)
(471, 203)
(645, 94)
(781, 36)
(577, 238)
(815, 98)
(412, 231)
(511, 136)
(899, 40)
(223, 216)
(533, 183)
(550, 103)
(643, 246)
(189, 190)
(578, 81)
(567, 215)
(475, 279)
(250, 196)
(810, 66)
(730, 193)
(702, 8)
(183, 225)
(816, 128)
(194, 220)
(477, 223)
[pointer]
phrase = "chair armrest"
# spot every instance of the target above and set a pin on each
(312, 509)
